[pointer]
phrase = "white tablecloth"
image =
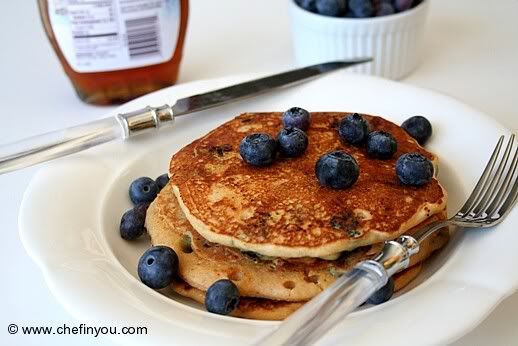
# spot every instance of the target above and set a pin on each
(471, 53)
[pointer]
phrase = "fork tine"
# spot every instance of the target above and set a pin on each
(512, 196)
(492, 188)
(504, 188)
(483, 178)
(507, 206)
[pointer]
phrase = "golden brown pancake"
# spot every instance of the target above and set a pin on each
(252, 308)
(282, 210)
(267, 309)
(201, 263)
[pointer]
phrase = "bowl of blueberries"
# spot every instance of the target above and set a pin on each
(390, 31)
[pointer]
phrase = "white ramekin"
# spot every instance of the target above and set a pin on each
(394, 41)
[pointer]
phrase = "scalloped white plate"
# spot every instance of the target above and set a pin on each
(71, 210)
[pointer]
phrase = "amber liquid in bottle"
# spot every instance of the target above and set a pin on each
(118, 86)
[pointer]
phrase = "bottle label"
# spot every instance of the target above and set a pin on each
(108, 35)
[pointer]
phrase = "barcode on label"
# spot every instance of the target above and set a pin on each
(142, 36)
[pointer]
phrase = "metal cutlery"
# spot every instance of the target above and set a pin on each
(491, 200)
(59, 143)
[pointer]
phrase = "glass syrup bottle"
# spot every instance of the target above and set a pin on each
(116, 50)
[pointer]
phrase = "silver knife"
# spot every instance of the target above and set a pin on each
(45, 147)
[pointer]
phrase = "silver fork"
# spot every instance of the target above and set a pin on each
(491, 200)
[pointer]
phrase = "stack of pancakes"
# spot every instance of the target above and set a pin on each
(274, 231)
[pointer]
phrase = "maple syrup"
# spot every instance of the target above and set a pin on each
(116, 50)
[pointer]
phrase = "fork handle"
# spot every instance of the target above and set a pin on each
(353, 288)
(349, 291)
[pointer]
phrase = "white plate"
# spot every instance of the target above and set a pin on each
(70, 215)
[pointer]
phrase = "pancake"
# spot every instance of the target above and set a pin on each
(281, 210)
(201, 263)
(252, 308)
(267, 309)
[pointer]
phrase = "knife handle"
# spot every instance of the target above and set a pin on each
(51, 145)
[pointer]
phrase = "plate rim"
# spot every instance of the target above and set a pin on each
(47, 269)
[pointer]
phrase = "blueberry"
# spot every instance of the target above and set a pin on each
(222, 297)
(308, 5)
(419, 128)
(143, 189)
(353, 129)
(337, 169)
(381, 145)
(296, 117)
(383, 294)
(333, 8)
(414, 169)
(158, 266)
(361, 8)
(292, 141)
(402, 5)
(162, 181)
(258, 149)
(384, 9)
(132, 222)
(416, 2)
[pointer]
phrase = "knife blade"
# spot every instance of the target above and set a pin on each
(237, 92)
(45, 147)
